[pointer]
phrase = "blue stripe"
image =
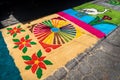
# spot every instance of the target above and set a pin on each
(8, 70)
(85, 18)
(105, 28)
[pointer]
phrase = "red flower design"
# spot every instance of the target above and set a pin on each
(105, 17)
(23, 43)
(15, 30)
(36, 62)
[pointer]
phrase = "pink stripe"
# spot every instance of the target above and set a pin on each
(82, 24)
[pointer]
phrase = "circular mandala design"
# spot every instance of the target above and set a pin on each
(55, 31)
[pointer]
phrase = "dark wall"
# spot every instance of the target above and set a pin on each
(32, 9)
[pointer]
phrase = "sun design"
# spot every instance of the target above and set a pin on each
(56, 31)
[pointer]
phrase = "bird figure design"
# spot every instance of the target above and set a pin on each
(92, 11)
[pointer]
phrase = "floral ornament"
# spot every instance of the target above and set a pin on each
(23, 43)
(15, 30)
(98, 20)
(105, 17)
(53, 33)
(36, 63)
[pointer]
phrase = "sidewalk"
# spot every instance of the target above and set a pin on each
(102, 62)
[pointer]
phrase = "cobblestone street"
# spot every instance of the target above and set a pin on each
(102, 63)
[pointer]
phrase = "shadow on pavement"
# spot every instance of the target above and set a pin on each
(26, 11)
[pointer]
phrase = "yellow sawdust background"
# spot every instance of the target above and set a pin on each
(59, 57)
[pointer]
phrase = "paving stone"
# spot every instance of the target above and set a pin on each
(114, 38)
(112, 75)
(90, 77)
(95, 1)
(74, 75)
(50, 78)
(116, 7)
(10, 21)
(94, 61)
(84, 68)
(100, 54)
(109, 49)
(60, 73)
(109, 64)
(71, 64)
(99, 73)
(76, 67)
(105, 4)
(116, 67)
(106, 61)
(81, 56)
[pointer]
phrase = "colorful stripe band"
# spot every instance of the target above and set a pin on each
(83, 25)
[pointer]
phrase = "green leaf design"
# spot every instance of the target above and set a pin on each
(39, 53)
(28, 67)
(104, 22)
(15, 46)
(14, 35)
(18, 26)
(39, 73)
(32, 43)
(9, 28)
(97, 18)
(16, 40)
(24, 50)
(114, 2)
(26, 57)
(95, 21)
(22, 30)
(47, 62)
(8, 32)
(27, 37)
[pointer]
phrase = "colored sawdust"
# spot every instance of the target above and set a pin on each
(112, 13)
(42, 46)
(25, 44)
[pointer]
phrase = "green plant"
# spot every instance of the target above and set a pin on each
(114, 2)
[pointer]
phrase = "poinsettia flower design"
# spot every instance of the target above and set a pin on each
(23, 43)
(36, 63)
(15, 30)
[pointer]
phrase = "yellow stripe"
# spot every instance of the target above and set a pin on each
(49, 39)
